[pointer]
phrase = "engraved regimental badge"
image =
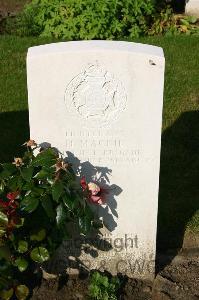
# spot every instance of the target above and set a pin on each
(95, 96)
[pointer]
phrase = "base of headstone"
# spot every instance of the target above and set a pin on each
(134, 262)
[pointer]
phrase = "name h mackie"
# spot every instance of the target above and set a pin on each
(105, 243)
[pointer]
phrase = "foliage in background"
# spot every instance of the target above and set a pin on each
(169, 24)
(103, 288)
(86, 19)
(102, 19)
(39, 196)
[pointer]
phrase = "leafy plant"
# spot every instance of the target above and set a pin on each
(102, 19)
(166, 23)
(103, 288)
(188, 25)
(86, 19)
(39, 196)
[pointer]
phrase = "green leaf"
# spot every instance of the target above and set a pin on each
(4, 266)
(6, 294)
(64, 234)
(46, 158)
(50, 180)
(2, 185)
(37, 191)
(104, 281)
(29, 204)
(39, 254)
(27, 186)
(22, 246)
(61, 214)
(84, 224)
(26, 173)
(9, 167)
(15, 183)
(191, 19)
(5, 252)
(184, 22)
(21, 263)
(46, 202)
(41, 174)
(20, 223)
(22, 292)
(2, 232)
(57, 190)
(69, 203)
(39, 236)
(4, 175)
(3, 218)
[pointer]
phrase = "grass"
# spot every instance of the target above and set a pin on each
(179, 174)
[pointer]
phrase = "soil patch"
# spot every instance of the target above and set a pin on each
(11, 7)
(177, 281)
(62, 289)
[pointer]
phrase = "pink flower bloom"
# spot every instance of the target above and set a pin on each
(95, 194)
(18, 162)
(93, 188)
(96, 199)
(30, 143)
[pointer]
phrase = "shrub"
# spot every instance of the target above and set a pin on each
(86, 19)
(103, 288)
(40, 197)
(169, 24)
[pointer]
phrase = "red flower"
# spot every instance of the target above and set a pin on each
(10, 205)
(83, 183)
(14, 219)
(12, 196)
(100, 197)
(3, 203)
(95, 194)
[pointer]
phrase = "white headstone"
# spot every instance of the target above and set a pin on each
(101, 102)
(192, 8)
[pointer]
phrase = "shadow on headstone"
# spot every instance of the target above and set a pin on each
(14, 131)
(100, 175)
(179, 185)
(68, 254)
(179, 173)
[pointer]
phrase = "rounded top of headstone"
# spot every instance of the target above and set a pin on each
(81, 46)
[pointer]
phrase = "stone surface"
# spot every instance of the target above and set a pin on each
(192, 8)
(100, 104)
